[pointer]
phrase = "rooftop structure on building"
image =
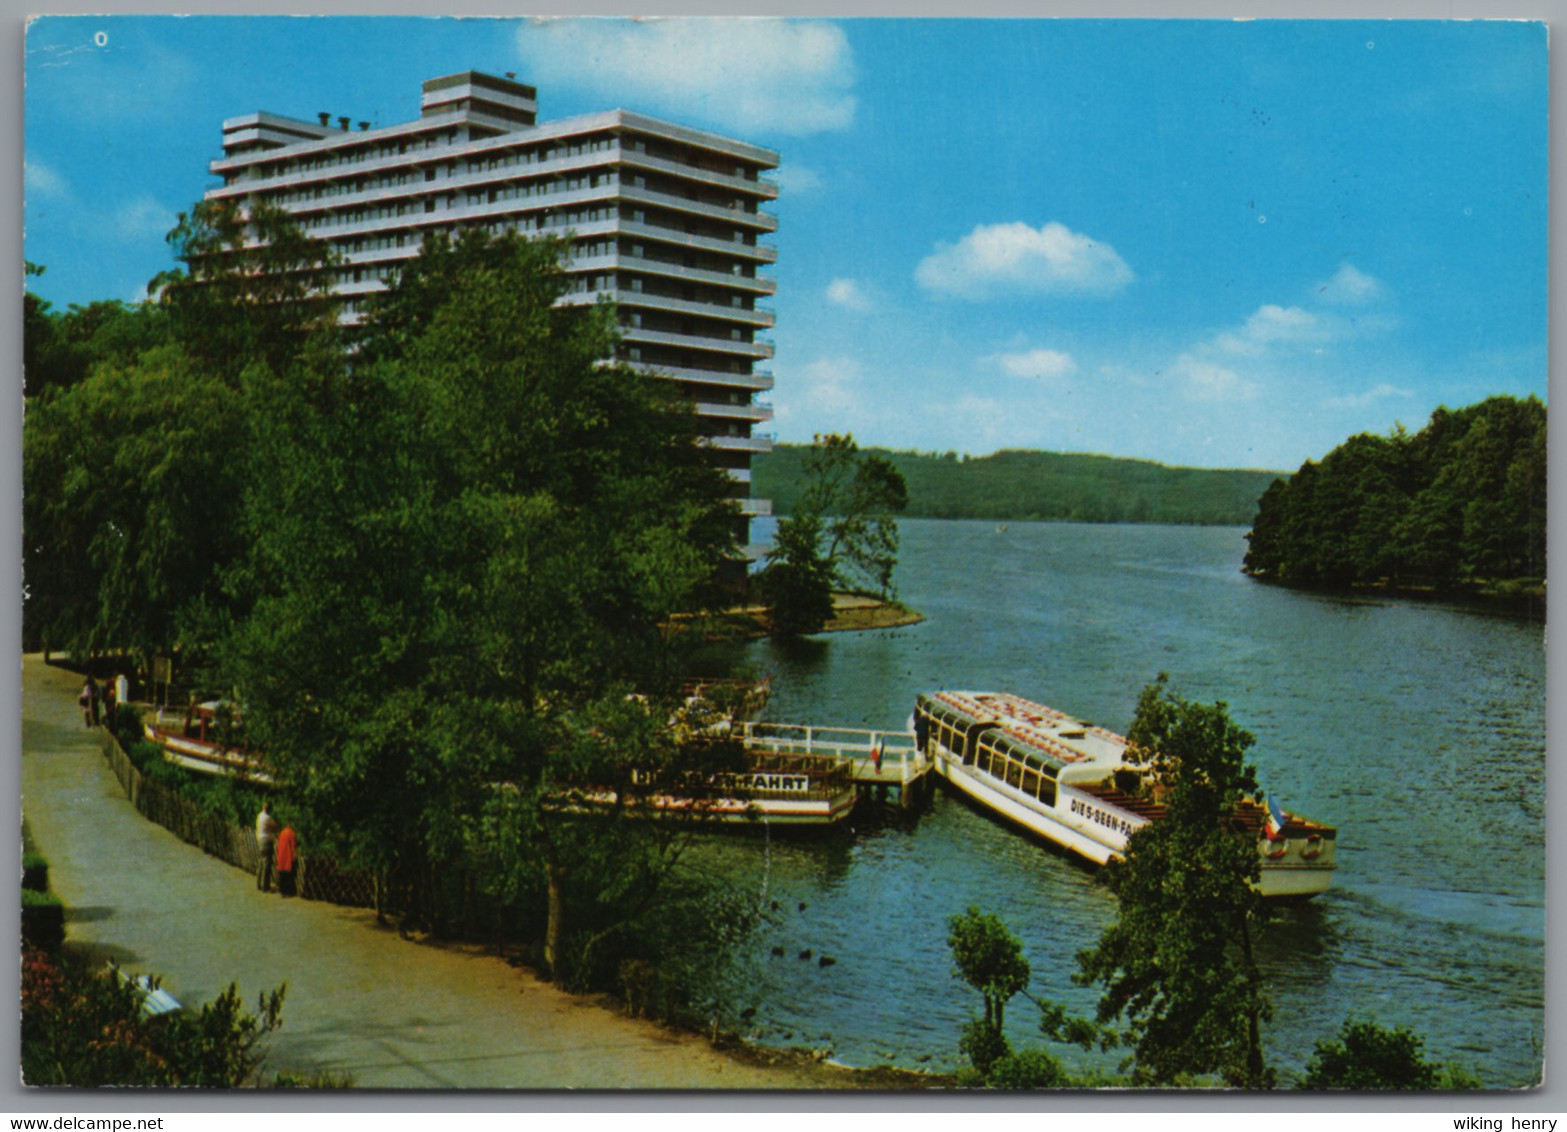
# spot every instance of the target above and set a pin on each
(664, 219)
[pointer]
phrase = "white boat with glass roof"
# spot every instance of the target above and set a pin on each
(1073, 784)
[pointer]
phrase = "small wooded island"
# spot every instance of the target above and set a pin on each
(1459, 505)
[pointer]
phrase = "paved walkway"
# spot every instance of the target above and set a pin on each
(361, 1001)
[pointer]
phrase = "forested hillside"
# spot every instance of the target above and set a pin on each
(1461, 501)
(1019, 485)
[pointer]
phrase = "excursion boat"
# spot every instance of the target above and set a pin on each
(200, 739)
(1071, 783)
(775, 790)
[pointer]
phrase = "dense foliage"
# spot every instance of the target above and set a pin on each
(1461, 501)
(1022, 485)
(1177, 965)
(842, 531)
(85, 1028)
(1367, 1056)
(435, 556)
(1181, 986)
(989, 958)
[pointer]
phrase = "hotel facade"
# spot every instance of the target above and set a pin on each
(665, 220)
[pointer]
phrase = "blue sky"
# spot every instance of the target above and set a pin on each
(1214, 243)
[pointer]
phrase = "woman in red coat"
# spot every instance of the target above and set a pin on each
(285, 861)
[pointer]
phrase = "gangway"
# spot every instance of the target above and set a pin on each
(876, 758)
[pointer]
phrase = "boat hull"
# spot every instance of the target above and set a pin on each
(1086, 830)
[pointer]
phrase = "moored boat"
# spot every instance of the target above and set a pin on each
(203, 739)
(777, 790)
(1073, 784)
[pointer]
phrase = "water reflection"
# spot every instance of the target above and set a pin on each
(1418, 728)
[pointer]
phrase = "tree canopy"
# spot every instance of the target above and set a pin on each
(990, 959)
(1177, 965)
(842, 531)
(1017, 485)
(434, 555)
(459, 535)
(1461, 501)
(1367, 1056)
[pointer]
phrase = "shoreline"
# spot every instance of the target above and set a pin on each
(852, 613)
(391, 1013)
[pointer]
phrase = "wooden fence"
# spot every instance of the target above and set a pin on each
(319, 876)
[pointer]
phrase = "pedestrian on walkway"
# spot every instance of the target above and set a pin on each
(285, 862)
(266, 838)
(89, 703)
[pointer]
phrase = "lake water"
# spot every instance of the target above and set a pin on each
(1418, 729)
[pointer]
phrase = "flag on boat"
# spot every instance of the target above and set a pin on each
(1275, 826)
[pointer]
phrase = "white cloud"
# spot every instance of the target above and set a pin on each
(40, 180)
(789, 76)
(1042, 365)
(141, 219)
(827, 386)
(1205, 381)
(1350, 287)
(796, 179)
(847, 293)
(1271, 324)
(1369, 397)
(998, 259)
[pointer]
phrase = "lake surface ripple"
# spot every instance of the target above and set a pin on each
(1417, 728)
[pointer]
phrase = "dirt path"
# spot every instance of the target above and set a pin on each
(390, 1013)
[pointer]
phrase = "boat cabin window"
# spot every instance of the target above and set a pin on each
(1020, 767)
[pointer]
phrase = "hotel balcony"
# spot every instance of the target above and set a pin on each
(754, 350)
(762, 221)
(647, 265)
(682, 238)
(628, 299)
(753, 412)
(762, 442)
(753, 381)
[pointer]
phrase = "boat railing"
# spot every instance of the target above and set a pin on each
(849, 742)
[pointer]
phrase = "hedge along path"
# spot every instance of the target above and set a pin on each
(320, 877)
(390, 1013)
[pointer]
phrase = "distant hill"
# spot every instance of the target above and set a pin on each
(1020, 484)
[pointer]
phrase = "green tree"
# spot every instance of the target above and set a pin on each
(130, 504)
(855, 497)
(462, 536)
(1462, 501)
(1366, 1056)
(253, 286)
(1177, 965)
(842, 531)
(990, 959)
(797, 581)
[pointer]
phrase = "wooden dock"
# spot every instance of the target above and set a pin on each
(877, 759)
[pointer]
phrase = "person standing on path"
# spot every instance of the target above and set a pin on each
(285, 862)
(89, 703)
(266, 837)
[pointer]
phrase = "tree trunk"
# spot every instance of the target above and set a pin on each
(1256, 1074)
(555, 925)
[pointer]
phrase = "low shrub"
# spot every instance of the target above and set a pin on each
(43, 919)
(165, 773)
(35, 873)
(125, 725)
(84, 1027)
(143, 753)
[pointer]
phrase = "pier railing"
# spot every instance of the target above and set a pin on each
(886, 757)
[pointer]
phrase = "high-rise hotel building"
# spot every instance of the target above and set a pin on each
(665, 220)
